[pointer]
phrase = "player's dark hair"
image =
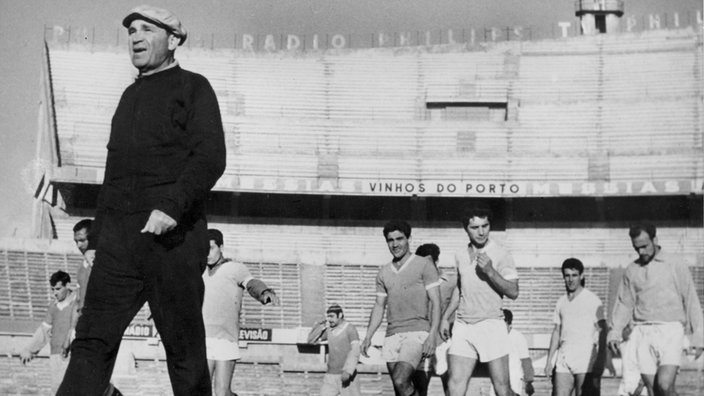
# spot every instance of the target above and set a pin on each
(573, 263)
(59, 276)
(216, 236)
(475, 211)
(336, 309)
(429, 249)
(637, 229)
(508, 316)
(397, 225)
(83, 224)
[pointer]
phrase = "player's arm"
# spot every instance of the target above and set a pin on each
(431, 280)
(621, 314)
(528, 375)
(261, 292)
(554, 340)
(432, 340)
(603, 331)
(351, 362)
(318, 332)
(254, 286)
(375, 319)
(507, 287)
(352, 358)
(40, 338)
(449, 311)
(693, 310)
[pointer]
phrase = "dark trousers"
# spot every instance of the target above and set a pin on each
(130, 269)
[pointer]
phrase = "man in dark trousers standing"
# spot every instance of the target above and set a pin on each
(166, 151)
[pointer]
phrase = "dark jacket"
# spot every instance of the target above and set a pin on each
(166, 148)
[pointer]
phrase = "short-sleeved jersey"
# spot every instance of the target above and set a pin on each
(340, 341)
(518, 350)
(478, 299)
(222, 302)
(579, 318)
(59, 318)
(406, 292)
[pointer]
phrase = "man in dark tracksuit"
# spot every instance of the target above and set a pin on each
(166, 151)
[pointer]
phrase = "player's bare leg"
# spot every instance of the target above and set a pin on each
(460, 369)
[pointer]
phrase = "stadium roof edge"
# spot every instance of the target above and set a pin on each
(433, 48)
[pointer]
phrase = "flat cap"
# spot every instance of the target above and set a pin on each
(158, 16)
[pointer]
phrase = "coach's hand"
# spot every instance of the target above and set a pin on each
(159, 223)
(364, 346)
(614, 347)
(697, 352)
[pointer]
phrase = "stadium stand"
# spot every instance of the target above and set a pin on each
(284, 113)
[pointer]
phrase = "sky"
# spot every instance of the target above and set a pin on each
(23, 27)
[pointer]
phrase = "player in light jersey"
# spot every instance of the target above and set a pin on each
(579, 321)
(486, 273)
(225, 282)
(658, 297)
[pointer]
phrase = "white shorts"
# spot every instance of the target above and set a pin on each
(575, 359)
(221, 349)
(404, 347)
(484, 341)
(657, 344)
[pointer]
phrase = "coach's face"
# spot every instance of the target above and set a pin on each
(398, 244)
(478, 230)
(645, 247)
(151, 47)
